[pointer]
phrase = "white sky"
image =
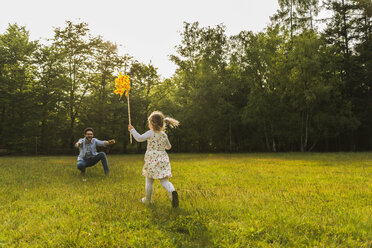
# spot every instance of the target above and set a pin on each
(147, 30)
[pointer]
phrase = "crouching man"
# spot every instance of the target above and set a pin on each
(88, 155)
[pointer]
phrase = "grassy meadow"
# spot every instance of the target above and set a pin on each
(226, 200)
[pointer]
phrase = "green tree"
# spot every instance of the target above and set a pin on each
(144, 79)
(74, 42)
(49, 89)
(346, 31)
(16, 75)
(313, 94)
(106, 62)
(297, 14)
(202, 89)
(260, 59)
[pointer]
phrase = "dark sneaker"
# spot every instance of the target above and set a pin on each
(175, 201)
(82, 173)
(107, 173)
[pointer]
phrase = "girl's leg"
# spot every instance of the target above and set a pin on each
(172, 192)
(149, 187)
(167, 185)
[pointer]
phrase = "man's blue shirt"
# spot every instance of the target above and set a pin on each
(93, 145)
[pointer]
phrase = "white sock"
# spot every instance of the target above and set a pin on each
(167, 185)
(149, 187)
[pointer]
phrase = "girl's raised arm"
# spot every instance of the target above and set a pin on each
(141, 137)
(168, 145)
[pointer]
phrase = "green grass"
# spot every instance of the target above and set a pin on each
(239, 200)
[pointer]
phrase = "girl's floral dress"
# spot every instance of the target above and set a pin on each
(157, 165)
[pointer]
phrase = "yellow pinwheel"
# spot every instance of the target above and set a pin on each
(122, 85)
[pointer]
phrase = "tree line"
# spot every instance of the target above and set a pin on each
(290, 87)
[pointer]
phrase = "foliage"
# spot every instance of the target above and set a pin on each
(289, 87)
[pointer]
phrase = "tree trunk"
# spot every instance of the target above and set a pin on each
(2, 120)
(72, 124)
(346, 51)
(306, 129)
(268, 147)
(302, 136)
(312, 146)
(102, 103)
(352, 142)
(71, 130)
(291, 17)
(345, 28)
(230, 138)
(43, 122)
(311, 18)
(273, 138)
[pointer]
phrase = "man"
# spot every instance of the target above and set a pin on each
(88, 155)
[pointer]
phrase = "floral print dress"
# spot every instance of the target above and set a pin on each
(157, 165)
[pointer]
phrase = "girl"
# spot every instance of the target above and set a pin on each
(157, 165)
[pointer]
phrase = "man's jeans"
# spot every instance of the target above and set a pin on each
(101, 156)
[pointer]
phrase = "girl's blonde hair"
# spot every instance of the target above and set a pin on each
(159, 121)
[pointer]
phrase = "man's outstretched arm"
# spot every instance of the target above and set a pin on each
(104, 142)
(109, 142)
(78, 144)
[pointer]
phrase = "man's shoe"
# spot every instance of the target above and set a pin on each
(107, 173)
(175, 201)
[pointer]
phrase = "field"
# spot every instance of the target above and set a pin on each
(226, 200)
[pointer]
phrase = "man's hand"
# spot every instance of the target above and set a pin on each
(78, 144)
(109, 142)
(130, 127)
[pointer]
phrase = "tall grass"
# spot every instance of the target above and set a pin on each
(239, 200)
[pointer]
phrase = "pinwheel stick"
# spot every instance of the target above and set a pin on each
(129, 117)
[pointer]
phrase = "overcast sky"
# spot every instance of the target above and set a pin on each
(147, 30)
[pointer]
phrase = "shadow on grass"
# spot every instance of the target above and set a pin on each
(182, 224)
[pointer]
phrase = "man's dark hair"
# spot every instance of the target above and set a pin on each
(88, 129)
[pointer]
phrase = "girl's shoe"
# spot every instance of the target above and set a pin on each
(145, 201)
(175, 201)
